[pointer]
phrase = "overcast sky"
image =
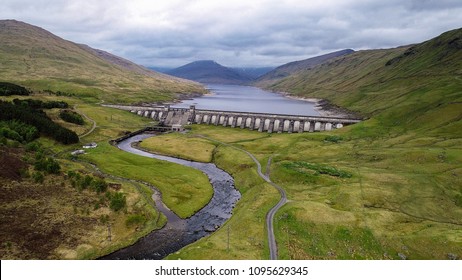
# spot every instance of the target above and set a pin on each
(237, 32)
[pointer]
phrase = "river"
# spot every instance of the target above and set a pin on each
(178, 233)
(249, 99)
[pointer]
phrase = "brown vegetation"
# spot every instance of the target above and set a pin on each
(10, 164)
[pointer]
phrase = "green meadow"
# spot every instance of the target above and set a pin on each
(398, 200)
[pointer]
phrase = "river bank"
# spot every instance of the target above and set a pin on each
(181, 232)
(324, 107)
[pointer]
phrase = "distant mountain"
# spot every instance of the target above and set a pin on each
(208, 71)
(292, 67)
(35, 58)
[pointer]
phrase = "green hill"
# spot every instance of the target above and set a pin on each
(295, 66)
(35, 58)
(415, 87)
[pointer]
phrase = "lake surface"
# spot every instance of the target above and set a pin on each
(249, 99)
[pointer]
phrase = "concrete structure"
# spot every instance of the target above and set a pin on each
(254, 121)
(91, 145)
(78, 152)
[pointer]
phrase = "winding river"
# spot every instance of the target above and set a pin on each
(178, 232)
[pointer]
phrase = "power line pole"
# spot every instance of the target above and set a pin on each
(228, 238)
(109, 237)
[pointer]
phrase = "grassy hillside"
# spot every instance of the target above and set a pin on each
(57, 213)
(35, 58)
(293, 67)
(416, 87)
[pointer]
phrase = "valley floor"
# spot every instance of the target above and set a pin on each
(350, 195)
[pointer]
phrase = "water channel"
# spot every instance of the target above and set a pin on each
(180, 232)
(249, 99)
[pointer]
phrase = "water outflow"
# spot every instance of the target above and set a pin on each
(178, 233)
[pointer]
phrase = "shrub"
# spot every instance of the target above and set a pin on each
(99, 185)
(118, 201)
(50, 165)
(300, 167)
(135, 220)
(458, 200)
(33, 147)
(38, 177)
(333, 139)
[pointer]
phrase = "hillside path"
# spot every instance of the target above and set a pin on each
(88, 118)
(270, 215)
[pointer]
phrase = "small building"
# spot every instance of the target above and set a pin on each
(78, 152)
(177, 127)
(91, 145)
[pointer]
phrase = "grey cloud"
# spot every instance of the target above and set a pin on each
(260, 32)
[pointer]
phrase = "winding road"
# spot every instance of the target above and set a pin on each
(270, 215)
(88, 118)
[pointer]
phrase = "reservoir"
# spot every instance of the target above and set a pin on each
(249, 99)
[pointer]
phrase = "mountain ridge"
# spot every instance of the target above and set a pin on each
(209, 71)
(300, 65)
(36, 58)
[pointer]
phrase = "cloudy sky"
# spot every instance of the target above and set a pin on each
(237, 32)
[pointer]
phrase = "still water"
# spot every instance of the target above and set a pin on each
(249, 99)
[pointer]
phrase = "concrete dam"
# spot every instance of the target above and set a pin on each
(263, 122)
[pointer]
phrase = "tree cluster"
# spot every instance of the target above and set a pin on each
(47, 164)
(81, 182)
(71, 117)
(18, 131)
(7, 89)
(38, 119)
(39, 104)
(58, 93)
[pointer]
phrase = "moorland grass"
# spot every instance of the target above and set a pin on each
(180, 145)
(398, 202)
(184, 190)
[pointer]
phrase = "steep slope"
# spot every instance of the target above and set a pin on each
(413, 87)
(292, 67)
(34, 57)
(208, 71)
(253, 72)
(122, 62)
